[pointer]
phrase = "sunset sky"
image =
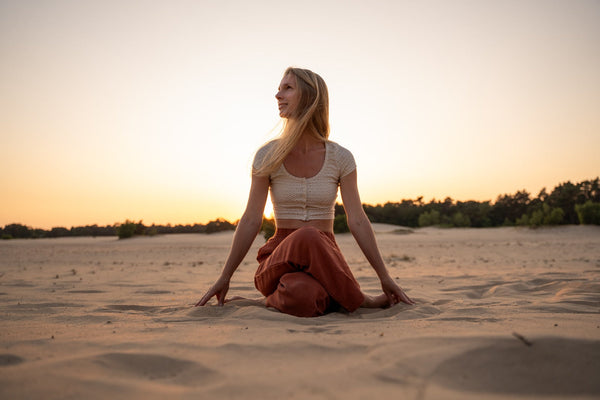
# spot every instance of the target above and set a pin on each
(152, 110)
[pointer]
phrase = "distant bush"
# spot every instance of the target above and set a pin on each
(555, 217)
(17, 231)
(545, 215)
(537, 218)
(58, 232)
(219, 225)
(508, 222)
(340, 224)
(6, 236)
(459, 220)
(127, 229)
(588, 213)
(268, 228)
(429, 218)
(523, 220)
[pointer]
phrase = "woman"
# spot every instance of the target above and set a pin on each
(301, 269)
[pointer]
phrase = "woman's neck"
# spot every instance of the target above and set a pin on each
(307, 142)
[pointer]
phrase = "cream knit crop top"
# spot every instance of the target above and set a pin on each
(308, 198)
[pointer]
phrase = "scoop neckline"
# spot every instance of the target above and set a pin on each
(315, 175)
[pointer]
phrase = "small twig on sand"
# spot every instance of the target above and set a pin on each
(522, 339)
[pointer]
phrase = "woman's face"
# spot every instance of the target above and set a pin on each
(288, 96)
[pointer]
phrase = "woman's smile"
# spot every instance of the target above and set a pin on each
(287, 96)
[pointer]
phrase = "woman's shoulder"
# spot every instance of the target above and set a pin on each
(342, 157)
(262, 153)
(265, 148)
(338, 150)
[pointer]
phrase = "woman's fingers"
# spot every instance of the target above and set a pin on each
(220, 298)
(218, 290)
(211, 292)
(221, 294)
(404, 298)
(396, 295)
(391, 298)
(205, 298)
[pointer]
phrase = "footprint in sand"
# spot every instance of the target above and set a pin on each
(9, 359)
(155, 367)
(549, 366)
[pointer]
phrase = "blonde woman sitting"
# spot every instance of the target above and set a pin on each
(301, 269)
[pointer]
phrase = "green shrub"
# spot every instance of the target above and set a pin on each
(18, 231)
(460, 220)
(554, 217)
(537, 218)
(6, 236)
(340, 224)
(268, 228)
(542, 216)
(588, 213)
(219, 225)
(429, 218)
(523, 221)
(508, 222)
(127, 229)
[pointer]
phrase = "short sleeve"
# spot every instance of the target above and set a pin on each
(260, 156)
(345, 161)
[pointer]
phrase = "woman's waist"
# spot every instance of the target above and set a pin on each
(324, 225)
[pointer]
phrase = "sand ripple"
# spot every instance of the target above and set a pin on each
(154, 367)
(551, 366)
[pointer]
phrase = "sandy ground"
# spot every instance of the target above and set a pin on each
(501, 313)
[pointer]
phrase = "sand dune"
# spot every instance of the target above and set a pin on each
(502, 313)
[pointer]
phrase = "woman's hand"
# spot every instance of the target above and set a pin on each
(394, 293)
(219, 289)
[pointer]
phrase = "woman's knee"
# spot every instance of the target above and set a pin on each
(300, 282)
(299, 294)
(307, 234)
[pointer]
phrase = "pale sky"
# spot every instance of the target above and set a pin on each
(152, 110)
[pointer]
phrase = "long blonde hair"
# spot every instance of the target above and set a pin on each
(311, 116)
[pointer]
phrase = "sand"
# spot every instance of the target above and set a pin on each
(501, 313)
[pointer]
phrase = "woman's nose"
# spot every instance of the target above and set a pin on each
(278, 95)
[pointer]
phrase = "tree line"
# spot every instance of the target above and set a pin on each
(567, 203)
(122, 230)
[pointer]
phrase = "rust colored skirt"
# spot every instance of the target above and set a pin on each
(302, 272)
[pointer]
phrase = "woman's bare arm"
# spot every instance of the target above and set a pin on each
(244, 236)
(363, 233)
